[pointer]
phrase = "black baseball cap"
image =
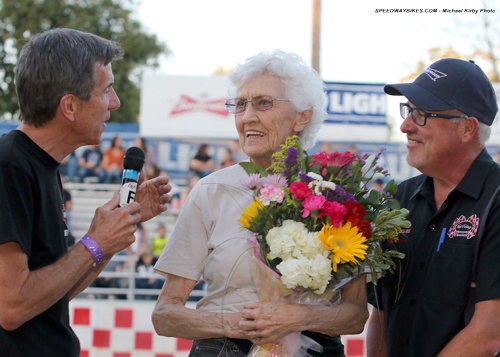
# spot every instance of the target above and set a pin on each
(451, 83)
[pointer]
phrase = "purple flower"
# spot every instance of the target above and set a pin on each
(339, 195)
(274, 180)
(292, 157)
(305, 178)
(253, 181)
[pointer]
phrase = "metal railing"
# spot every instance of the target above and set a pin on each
(121, 275)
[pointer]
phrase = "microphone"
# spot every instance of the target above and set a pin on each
(132, 165)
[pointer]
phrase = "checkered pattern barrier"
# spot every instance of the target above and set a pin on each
(114, 328)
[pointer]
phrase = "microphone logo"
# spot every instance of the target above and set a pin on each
(132, 165)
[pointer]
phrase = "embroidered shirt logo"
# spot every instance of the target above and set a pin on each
(434, 74)
(464, 227)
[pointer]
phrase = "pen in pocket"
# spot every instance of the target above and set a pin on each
(441, 239)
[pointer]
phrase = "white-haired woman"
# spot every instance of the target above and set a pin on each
(274, 95)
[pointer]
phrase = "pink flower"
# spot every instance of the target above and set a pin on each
(312, 203)
(270, 194)
(335, 211)
(325, 159)
(300, 190)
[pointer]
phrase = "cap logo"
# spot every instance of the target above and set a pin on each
(434, 74)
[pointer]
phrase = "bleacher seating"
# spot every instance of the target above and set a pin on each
(86, 197)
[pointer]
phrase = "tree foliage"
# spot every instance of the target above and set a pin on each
(483, 34)
(111, 19)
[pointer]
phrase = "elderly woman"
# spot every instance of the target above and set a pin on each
(274, 95)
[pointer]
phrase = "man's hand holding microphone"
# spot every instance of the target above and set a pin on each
(113, 226)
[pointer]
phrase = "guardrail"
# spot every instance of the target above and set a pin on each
(86, 198)
(126, 281)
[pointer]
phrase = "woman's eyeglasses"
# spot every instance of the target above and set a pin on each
(260, 103)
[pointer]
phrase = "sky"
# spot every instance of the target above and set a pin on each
(358, 42)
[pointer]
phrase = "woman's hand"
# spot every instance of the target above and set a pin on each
(266, 322)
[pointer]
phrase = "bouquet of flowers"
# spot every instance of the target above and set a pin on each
(316, 225)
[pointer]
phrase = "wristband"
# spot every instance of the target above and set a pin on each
(93, 248)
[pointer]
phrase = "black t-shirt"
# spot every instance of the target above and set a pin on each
(32, 215)
(425, 299)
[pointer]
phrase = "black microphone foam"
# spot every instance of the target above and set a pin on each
(134, 158)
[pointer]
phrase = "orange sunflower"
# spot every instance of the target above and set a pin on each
(345, 242)
(250, 213)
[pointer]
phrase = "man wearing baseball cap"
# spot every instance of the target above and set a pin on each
(444, 299)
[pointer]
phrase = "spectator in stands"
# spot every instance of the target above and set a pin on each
(106, 281)
(353, 149)
(91, 164)
(192, 181)
(68, 206)
(64, 83)
(112, 161)
(175, 192)
(141, 237)
(228, 159)
(151, 162)
(159, 241)
(378, 184)
(146, 277)
(202, 163)
(69, 167)
(236, 151)
(497, 156)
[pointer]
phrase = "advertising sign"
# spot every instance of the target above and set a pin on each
(193, 107)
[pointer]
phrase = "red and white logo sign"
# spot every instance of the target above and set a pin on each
(189, 104)
(464, 227)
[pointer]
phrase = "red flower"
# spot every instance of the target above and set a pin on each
(300, 190)
(355, 215)
(365, 228)
(325, 159)
(335, 211)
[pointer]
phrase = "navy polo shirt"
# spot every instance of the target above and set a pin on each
(425, 299)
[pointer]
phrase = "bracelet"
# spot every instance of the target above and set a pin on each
(93, 248)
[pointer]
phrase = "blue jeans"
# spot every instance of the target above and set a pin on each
(220, 347)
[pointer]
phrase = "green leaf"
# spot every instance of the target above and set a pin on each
(252, 168)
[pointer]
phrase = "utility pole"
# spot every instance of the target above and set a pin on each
(316, 34)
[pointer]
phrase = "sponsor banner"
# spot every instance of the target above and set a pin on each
(185, 107)
(192, 107)
(356, 103)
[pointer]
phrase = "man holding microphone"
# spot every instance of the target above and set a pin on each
(65, 89)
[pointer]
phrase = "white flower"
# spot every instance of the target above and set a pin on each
(305, 261)
(293, 239)
(314, 273)
(317, 182)
(329, 185)
(315, 176)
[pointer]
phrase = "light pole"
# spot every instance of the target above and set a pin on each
(316, 34)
